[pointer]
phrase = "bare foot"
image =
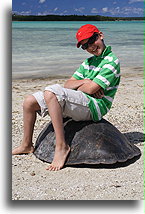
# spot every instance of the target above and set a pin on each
(59, 158)
(22, 150)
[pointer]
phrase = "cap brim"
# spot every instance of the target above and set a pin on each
(85, 37)
(78, 44)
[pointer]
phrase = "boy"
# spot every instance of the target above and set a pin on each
(87, 95)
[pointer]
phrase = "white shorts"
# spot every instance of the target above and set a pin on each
(74, 103)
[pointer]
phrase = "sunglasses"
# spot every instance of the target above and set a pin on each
(91, 40)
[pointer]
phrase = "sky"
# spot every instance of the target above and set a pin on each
(120, 8)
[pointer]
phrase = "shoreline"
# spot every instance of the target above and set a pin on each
(30, 180)
(124, 71)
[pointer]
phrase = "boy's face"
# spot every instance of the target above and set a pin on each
(97, 47)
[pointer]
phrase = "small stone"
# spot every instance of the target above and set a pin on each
(32, 174)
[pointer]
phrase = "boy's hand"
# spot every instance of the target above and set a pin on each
(99, 94)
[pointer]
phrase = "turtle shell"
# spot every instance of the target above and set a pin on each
(90, 142)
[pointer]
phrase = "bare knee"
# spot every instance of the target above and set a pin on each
(49, 96)
(30, 103)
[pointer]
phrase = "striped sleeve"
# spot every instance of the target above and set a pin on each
(108, 75)
(79, 73)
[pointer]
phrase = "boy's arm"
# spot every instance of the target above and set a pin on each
(85, 85)
(89, 88)
(73, 83)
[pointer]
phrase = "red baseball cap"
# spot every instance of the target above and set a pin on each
(85, 32)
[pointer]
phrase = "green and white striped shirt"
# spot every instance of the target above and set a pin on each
(105, 71)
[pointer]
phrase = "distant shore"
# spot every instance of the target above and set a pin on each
(16, 17)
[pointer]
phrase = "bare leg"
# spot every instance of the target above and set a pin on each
(62, 149)
(30, 107)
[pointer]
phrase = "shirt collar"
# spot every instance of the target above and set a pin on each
(105, 52)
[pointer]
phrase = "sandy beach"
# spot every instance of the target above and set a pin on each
(31, 180)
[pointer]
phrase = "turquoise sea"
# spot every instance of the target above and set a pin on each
(41, 49)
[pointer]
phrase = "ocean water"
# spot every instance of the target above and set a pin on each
(41, 49)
